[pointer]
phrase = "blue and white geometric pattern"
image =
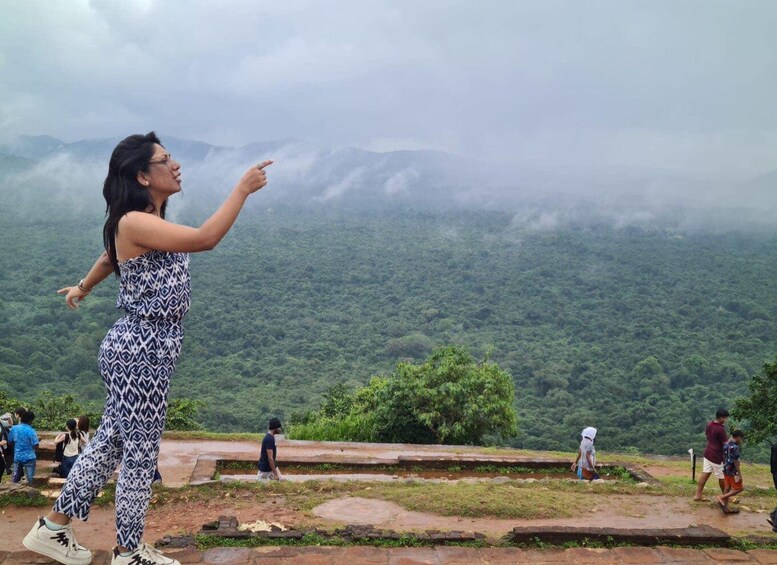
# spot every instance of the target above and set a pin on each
(137, 359)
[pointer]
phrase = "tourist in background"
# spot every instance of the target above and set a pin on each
(732, 472)
(25, 442)
(73, 443)
(713, 454)
(268, 457)
(585, 463)
(6, 451)
(83, 428)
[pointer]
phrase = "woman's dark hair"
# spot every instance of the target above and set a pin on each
(83, 423)
(71, 428)
(122, 191)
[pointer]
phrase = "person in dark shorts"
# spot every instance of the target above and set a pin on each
(268, 463)
(731, 471)
(713, 454)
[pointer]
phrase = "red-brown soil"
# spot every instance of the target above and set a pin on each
(177, 460)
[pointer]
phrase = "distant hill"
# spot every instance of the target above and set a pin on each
(315, 177)
(13, 164)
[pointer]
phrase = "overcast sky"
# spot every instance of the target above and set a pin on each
(687, 86)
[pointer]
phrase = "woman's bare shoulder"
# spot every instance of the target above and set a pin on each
(137, 218)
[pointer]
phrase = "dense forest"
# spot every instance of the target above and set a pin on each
(635, 317)
(642, 333)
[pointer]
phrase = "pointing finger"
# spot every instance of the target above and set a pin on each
(264, 164)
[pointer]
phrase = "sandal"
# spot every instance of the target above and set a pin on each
(702, 499)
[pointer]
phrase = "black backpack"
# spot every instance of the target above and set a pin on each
(59, 451)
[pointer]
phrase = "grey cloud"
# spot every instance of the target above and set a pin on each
(575, 86)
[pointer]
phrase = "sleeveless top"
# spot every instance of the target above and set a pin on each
(155, 286)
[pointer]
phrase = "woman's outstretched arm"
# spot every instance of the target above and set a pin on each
(144, 232)
(97, 274)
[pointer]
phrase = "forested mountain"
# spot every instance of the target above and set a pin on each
(639, 328)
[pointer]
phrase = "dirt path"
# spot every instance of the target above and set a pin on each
(622, 511)
(178, 458)
(99, 531)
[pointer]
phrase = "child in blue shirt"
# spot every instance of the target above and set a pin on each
(24, 440)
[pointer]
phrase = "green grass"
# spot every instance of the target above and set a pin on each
(107, 495)
(475, 500)
(23, 500)
(348, 428)
(213, 436)
(313, 539)
(205, 542)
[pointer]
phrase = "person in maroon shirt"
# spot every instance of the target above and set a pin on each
(713, 453)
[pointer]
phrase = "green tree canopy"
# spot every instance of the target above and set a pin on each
(449, 398)
(758, 410)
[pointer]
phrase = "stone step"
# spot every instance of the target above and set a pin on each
(692, 535)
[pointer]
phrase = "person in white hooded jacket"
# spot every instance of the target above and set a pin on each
(585, 463)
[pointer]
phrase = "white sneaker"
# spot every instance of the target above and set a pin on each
(143, 555)
(60, 545)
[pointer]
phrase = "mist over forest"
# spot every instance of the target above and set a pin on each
(313, 177)
(637, 301)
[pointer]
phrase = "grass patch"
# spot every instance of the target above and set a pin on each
(351, 427)
(22, 499)
(213, 436)
(748, 545)
(537, 543)
(107, 495)
(312, 539)
(543, 499)
(483, 500)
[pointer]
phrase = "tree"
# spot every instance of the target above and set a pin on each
(181, 413)
(447, 399)
(759, 408)
(51, 412)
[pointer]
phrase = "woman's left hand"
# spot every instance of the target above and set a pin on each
(73, 295)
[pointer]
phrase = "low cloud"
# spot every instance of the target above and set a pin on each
(401, 182)
(307, 174)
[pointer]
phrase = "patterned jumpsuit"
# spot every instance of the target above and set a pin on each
(136, 360)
